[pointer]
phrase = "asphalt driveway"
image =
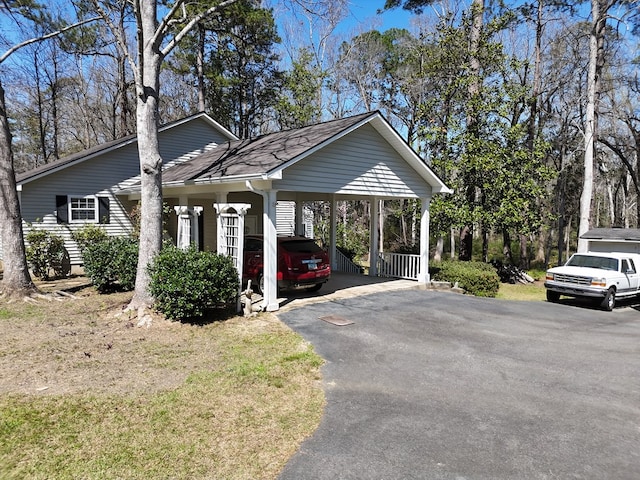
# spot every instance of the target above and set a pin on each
(435, 385)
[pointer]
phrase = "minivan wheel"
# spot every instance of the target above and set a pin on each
(314, 288)
(609, 301)
(260, 284)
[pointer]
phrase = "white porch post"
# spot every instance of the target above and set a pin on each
(270, 273)
(231, 234)
(333, 234)
(373, 237)
(187, 226)
(423, 274)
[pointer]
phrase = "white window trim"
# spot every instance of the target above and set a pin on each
(96, 209)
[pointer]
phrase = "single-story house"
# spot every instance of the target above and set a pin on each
(212, 180)
(626, 240)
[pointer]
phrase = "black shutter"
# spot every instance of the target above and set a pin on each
(62, 212)
(201, 231)
(103, 209)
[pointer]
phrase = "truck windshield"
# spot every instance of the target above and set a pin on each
(603, 263)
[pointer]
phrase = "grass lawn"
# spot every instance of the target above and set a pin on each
(531, 292)
(86, 394)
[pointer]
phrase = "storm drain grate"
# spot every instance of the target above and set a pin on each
(336, 320)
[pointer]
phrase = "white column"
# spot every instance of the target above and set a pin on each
(195, 229)
(270, 273)
(183, 239)
(423, 275)
(373, 237)
(187, 226)
(333, 233)
(230, 223)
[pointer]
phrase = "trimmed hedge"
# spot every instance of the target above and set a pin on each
(111, 264)
(88, 235)
(187, 283)
(477, 278)
(45, 252)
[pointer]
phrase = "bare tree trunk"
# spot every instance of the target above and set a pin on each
(596, 45)
(524, 252)
(16, 280)
(485, 244)
(148, 86)
(200, 68)
(506, 246)
(475, 34)
(452, 244)
(543, 240)
(466, 243)
(437, 256)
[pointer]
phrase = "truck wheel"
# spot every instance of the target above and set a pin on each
(609, 300)
(552, 296)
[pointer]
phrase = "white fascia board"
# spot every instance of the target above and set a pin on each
(200, 182)
(205, 116)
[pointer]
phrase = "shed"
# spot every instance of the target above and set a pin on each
(625, 240)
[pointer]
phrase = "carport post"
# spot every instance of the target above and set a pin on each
(374, 204)
(270, 251)
(423, 274)
(333, 234)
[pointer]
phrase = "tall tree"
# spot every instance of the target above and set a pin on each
(297, 101)
(16, 280)
(599, 14)
(155, 38)
(241, 74)
(475, 38)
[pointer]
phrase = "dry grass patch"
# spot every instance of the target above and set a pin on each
(85, 394)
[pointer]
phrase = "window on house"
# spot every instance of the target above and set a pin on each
(76, 209)
(83, 209)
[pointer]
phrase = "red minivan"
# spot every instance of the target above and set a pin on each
(301, 263)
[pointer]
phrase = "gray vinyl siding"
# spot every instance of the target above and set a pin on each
(362, 163)
(285, 218)
(104, 175)
(612, 246)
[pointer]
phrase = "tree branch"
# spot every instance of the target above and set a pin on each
(15, 48)
(187, 28)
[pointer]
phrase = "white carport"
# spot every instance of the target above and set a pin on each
(355, 158)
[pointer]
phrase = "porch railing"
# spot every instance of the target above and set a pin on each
(398, 265)
(344, 264)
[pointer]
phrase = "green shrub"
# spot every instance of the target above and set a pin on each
(477, 278)
(88, 235)
(45, 252)
(187, 283)
(111, 263)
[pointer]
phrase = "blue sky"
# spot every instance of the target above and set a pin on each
(363, 11)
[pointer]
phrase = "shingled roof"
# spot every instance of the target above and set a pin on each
(612, 234)
(105, 147)
(261, 155)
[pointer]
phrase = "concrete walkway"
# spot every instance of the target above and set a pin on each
(344, 285)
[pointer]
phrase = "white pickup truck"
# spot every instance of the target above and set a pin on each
(602, 276)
